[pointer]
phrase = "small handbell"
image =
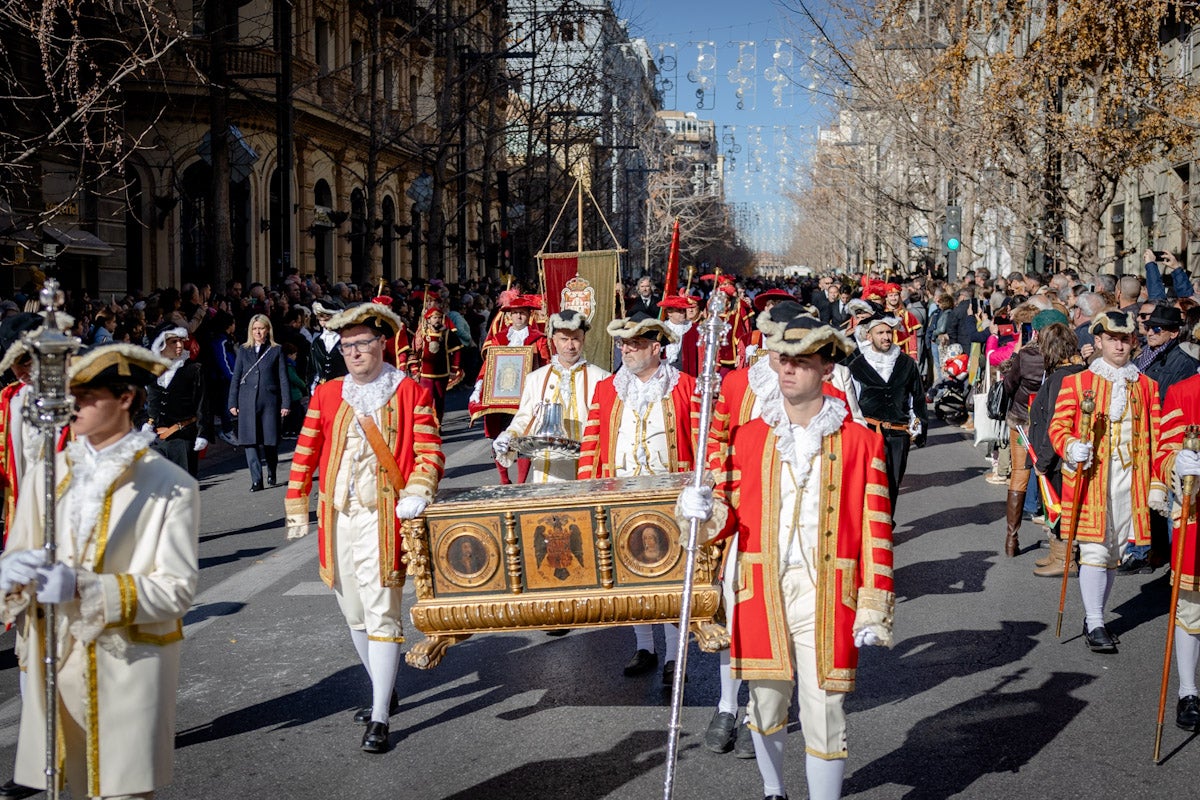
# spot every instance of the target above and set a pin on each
(552, 421)
(549, 440)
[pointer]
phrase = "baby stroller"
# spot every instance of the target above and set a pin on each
(948, 397)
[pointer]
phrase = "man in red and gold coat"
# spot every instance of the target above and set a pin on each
(908, 332)
(518, 333)
(1107, 471)
(804, 488)
(684, 353)
(374, 440)
(21, 443)
(434, 357)
(642, 421)
(1172, 465)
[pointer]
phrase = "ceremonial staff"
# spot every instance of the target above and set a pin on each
(712, 331)
(1087, 407)
(51, 408)
(1191, 441)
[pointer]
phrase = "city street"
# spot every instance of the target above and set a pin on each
(976, 700)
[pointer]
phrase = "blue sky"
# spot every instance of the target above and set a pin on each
(775, 141)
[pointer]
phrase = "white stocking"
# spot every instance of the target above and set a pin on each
(729, 686)
(645, 637)
(1187, 654)
(824, 777)
(360, 645)
(385, 663)
(1093, 584)
(768, 752)
(671, 635)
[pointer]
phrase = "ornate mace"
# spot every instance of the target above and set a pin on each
(50, 409)
(712, 333)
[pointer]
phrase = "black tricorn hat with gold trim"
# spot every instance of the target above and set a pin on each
(775, 317)
(1117, 323)
(641, 324)
(119, 363)
(376, 316)
(804, 335)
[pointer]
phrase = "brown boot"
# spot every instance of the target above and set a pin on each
(1049, 558)
(1058, 549)
(1016, 503)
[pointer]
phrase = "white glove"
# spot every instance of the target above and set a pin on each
(751, 349)
(56, 583)
(867, 637)
(298, 531)
(1079, 452)
(501, 443)
(696, 504)
(19, 568)
(477, 395)
(201, 443)
(914, 425)
(1187, 462)
(410, 507)
(147, 428)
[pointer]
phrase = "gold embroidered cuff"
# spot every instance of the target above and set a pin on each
(876, 609)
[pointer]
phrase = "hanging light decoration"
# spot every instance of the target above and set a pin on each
(704, 75)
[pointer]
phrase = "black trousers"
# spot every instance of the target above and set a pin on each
(896, 445)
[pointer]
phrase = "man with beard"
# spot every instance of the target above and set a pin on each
(176, 405)
(642, 421)
(890, 394)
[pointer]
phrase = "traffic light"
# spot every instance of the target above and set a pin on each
(953, 239)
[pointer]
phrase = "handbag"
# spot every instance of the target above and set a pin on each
(987, 430)
(997, 401)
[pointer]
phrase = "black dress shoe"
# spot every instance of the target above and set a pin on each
(256, 487)
(363, 715)
(1187, 713)
(271, 480)
(776, 797)
(642, 662)
(1135, 566)
(668, 677)
(744, 746)
(16, 790)
(375, 740)
(1099, 640)
(722, 729)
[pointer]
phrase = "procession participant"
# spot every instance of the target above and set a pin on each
(375, 441)
(1106, 470)
(1172, 464)
(327, 361)
(434, 359)
(684, 353)
(888, 385)
(176, 404)
(518, 333)
(568, 379)
(740, 317)
(21, 443)
(397, 349)
(808, 469)
(129, 526)
(908, 332)
(763, 301)
(642, 421)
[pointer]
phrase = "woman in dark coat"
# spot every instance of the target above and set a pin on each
(256, 393)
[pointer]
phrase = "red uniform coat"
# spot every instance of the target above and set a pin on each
(1181, 408)
(907, 334)
(435, 365)
(732, 353)
(1092, 494)
(411, 431)
(8, 464)
(541, 356)
(854, 552)
(597, 457)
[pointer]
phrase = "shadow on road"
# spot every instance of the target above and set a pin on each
(944, 576)
(1150, 603)
(206, 610)
(981, 514)
(587, 777)
(230, 558)
(995, 732)
(920, 663)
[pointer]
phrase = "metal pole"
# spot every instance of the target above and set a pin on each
(713, 330)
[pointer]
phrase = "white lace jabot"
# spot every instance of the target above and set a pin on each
(367, 398)
(639, 394)
(798, 445)
(516, 338)
(883, 363)
(93, 472)
(1119, 377)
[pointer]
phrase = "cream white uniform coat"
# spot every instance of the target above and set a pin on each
(119, 644)
(547, 384)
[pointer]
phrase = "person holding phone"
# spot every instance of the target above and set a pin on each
(1155, 287)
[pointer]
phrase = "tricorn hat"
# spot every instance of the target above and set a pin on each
(326, 308)
(774, 318)
(11, 331)
(116, 363)
(778, 295)
(567, 320)
(1117, 323)
(678, 302)
(520, 301)
(641, 324)
(804, 335)
(373, 315)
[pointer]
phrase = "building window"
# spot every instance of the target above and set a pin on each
(356, 65)
(321, 31)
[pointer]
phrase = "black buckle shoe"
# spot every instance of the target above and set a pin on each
(375, 740)
(744, 746)
(1099, 640)
(722, 729)
(363, 715)
(1135, 566)
(1187, 713)
(643, 661)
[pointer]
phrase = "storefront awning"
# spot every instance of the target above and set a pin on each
(78, 242)
(13, 232)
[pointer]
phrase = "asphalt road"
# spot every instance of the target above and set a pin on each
(976, 700)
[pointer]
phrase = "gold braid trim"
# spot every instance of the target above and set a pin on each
(92, 718)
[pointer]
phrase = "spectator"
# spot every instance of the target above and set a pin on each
(1129, 293)
(257, 390)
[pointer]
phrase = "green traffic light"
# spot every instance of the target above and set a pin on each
(952, 244)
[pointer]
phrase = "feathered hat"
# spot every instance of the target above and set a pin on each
(774, 318)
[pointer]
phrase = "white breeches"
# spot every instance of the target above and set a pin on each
(1118, 529)
(365, 603)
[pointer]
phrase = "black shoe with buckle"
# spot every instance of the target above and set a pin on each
(375, 740)
(1135, 566)
(1187, 713)
(363, 715)
(722, 729)
(744, 746)
(1099, 640)
(643, 661)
